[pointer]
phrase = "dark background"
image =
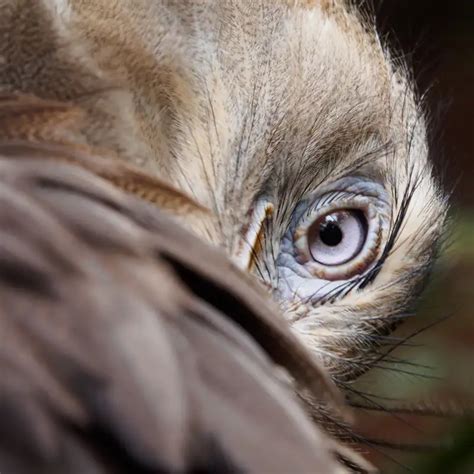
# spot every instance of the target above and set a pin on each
(437, 40)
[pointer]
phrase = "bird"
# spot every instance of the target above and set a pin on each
(120, 329)
(242, 184)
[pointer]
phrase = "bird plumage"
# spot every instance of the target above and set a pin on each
(120, 331)
(214, 111)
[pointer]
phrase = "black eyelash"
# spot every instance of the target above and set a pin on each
(395, 230)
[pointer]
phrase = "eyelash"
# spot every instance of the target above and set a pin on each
(394, 232)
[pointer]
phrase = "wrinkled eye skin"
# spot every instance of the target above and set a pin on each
(336, 236)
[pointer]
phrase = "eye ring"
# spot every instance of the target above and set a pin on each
(368, 206)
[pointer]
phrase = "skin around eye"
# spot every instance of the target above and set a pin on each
(337, 237)
(338, 232)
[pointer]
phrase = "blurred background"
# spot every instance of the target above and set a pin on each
(437, 40)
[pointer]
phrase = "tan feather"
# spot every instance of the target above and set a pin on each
(34, 128)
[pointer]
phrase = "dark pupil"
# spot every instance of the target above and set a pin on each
(330, 233)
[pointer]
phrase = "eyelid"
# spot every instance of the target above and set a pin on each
(352, 187)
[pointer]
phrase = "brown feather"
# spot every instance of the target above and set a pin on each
(34, 128)
(128, 344)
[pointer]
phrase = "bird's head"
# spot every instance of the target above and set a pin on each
(306, 139)
(289, 120)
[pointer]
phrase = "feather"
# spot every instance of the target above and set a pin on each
(128, 344)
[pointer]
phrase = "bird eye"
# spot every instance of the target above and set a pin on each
(337, 237)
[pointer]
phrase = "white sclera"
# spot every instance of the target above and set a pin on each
(352, 231)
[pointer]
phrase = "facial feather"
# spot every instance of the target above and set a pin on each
(236, 101)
